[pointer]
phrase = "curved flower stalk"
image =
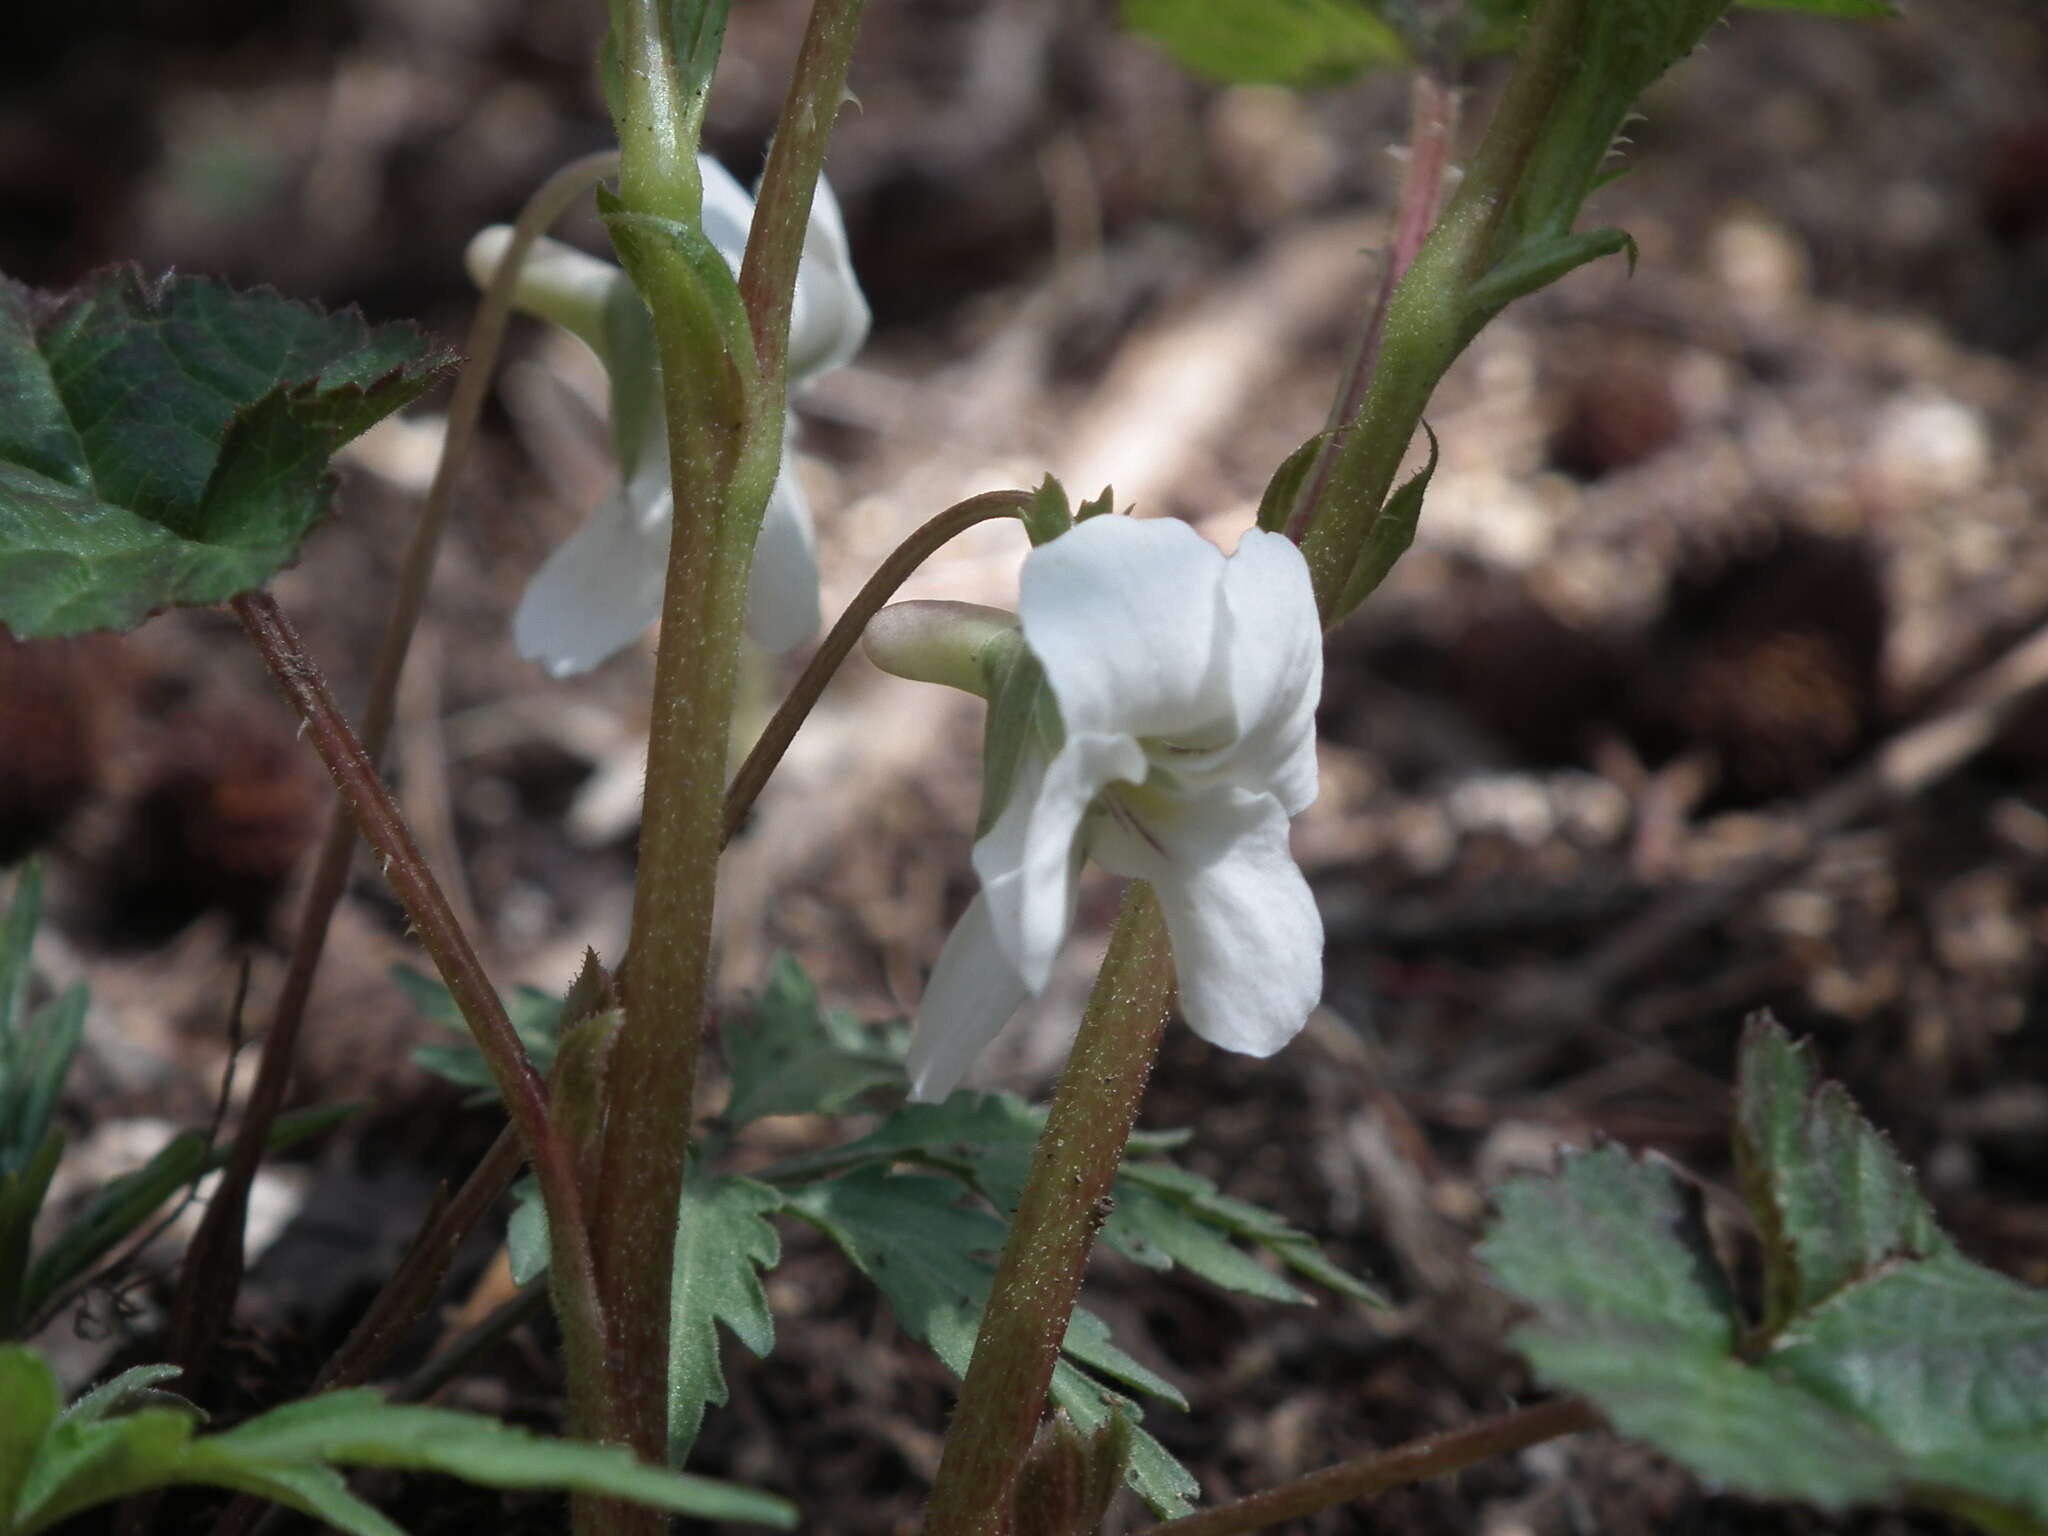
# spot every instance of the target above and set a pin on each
(1186, 686)
(602, 588)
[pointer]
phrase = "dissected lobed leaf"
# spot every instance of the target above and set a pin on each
(1891, 1367)
(792, 1056)
(1160, 1215)
(724, 1242)
(167, 442)
(536, 1018)
(931, 1257)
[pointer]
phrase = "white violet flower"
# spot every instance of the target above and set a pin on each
(602, 588)
(1186, 685)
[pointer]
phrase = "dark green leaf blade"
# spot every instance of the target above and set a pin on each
(1200, 1201)
(1832, 1199)
(536, 1018)
(923, 1249)
(1608, 1244)
(125, 1203)
(1152, 1473)
(1269, 42)
(17, 933)
(929, 1256)
(1392, 531)
(320, 1492)
(21, 1198)
(1893, 1368)
(49, 1043)
(1940, 1355)
(796, 1057)
(1153, 1232)
(1160, 1215)
(84, 1462)
(1862, 10)
(139, 1383)
(28, 1409)
(358, 1428)
(1730, 1423)
(168, 442)
(723, 1243)
(1624, 46)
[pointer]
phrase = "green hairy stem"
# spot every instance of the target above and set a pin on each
(1065, 1202)
(723, 406)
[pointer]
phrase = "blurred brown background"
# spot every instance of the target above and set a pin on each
(1703, 541)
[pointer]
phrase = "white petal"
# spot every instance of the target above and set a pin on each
(1247, 938)
(1274, 638)
(828, 317)
(728, 211)
(1029, 860)
(556, 282)
(1125, 616)
(782, 586)
(972, 993)
(595, 594)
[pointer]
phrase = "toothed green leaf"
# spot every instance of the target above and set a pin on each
(1891, 1369)
(166, 443)
(791, 1056)
(723, 1245)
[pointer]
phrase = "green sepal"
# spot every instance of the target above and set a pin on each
(635, 375)
(1100, 506)
(1049, 514)
(1023, 721)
